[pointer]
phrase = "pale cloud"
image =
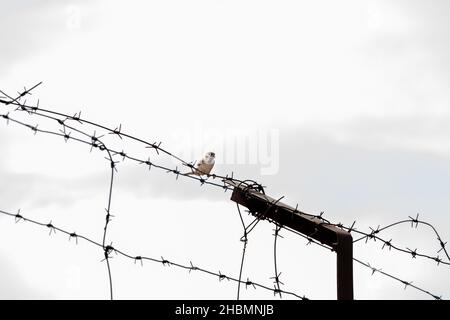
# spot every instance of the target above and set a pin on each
(18, 289)
(29, 28)
(426, 134)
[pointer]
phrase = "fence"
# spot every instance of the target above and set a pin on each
(72, 129)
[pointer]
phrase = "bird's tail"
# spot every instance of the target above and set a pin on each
(195, 173)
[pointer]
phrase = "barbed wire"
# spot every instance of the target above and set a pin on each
(325, 222)
(100, 145)
(367, 265)
(406, 283)
(95, 142)
(373, 234)
(51, 114)
(414, 222)
(310, 240)
(107, 220)
(244, 240)
(276, 277)
(165, 262)
(388, 243)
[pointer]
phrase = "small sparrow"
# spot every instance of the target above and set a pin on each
(205, 165)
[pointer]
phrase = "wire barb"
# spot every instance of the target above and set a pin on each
(73, 235)
(414, 221)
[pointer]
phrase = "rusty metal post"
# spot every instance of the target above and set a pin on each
(266, 207)
(344, 265)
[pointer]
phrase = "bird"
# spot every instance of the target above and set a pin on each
(203, 166)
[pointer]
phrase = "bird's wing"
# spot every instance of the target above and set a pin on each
(200, 162)
(205, 168)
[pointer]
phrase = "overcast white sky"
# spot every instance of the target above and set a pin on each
(354, 94)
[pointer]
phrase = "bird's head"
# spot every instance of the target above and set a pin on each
(210, 157)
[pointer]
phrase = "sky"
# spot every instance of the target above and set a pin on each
(339, 107)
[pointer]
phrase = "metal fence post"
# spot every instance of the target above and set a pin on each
(344, 266)
(266, 207)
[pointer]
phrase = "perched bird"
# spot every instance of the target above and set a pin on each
(204, 166)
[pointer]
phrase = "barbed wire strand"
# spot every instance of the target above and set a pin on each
(413, 221)
(19, 217)
(94, 144)
(367, 265)
(386, 243)
(276, 278)
(261, 216)
(107, 220)
(244, 239)
(406, 283)
(117, 131)
(106, 249)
